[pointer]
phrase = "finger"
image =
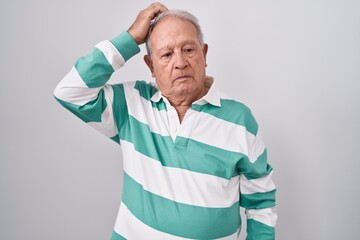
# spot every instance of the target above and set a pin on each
(159, 6)
(155, 9)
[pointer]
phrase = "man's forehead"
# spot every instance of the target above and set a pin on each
(172, 30)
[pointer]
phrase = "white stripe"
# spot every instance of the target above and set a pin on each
(233, 236)
(266, 216)
(179, 185)
(142, 110)
(72, 89)
(111, 53)
(222, 134)
(128, 226)
(199, 126)
(107, 125)
(259, 185)
(257, 148)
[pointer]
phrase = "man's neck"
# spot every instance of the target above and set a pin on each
(182, 103)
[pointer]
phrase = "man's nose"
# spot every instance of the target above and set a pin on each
(180, 61)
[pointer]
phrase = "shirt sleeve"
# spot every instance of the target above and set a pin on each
(84, 91)
(257, 192)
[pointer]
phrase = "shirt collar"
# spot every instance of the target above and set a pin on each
(212, 96)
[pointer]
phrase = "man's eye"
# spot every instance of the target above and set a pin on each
(189, 50)
(166, 55)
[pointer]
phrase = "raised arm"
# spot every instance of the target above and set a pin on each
(84, 91)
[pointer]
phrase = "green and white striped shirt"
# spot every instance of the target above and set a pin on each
(181, 181)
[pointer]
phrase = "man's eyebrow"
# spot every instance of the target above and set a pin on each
(190, 42)
(167, 47)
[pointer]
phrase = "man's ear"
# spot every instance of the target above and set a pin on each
(149, 63)
(205, 50)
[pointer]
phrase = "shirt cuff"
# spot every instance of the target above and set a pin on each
(126, 45)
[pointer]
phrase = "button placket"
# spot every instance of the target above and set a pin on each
(173, 120)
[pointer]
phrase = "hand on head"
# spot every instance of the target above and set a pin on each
(140, 28)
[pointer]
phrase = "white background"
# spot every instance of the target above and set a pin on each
(296, 64)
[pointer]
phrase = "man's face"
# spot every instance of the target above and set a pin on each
(178, 60)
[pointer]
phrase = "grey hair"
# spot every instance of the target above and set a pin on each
(179, 14)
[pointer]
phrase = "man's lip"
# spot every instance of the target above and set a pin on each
(181, 77)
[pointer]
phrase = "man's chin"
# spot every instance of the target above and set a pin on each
(186, 89)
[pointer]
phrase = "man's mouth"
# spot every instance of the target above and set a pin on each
(183, 77)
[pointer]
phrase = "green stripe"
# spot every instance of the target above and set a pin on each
(179, 219)
(258, 200)
(259, 231)
(91, 111)
(94, 69)
(126, 45)
(146, 91)
(120, 109)
(257, 169)
(116, 236)
(220, 162)
(198, 157)
(231, 111)
(115, 138)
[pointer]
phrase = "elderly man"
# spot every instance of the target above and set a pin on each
(192, 156)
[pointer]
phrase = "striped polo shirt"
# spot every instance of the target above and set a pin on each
(181, 181)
